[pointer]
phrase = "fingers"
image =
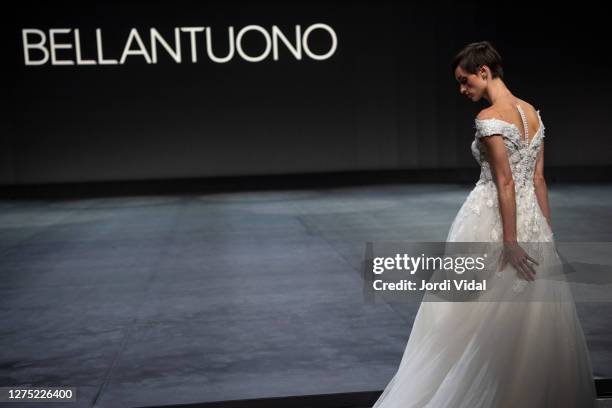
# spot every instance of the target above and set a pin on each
(522, 269)
(525, 265)
(522, 262)
(529, 258)
(529, 267)
(527, 271)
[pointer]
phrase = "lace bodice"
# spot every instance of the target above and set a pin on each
(482, 202)
(522, 153)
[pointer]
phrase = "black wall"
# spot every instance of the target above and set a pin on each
(385, 100)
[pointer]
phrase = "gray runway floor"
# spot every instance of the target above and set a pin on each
(195, 298)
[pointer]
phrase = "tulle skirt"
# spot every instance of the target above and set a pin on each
(526, 351)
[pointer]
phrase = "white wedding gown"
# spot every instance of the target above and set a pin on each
(497, 354)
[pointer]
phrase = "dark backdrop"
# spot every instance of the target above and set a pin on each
(385, 100)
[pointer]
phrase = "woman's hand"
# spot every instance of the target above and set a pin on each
(523, 263)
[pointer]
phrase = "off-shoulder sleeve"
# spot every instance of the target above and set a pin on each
(488, 127)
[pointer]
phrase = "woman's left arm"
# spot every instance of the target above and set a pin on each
(502, 175)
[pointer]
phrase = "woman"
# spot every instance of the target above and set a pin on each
(491, 353)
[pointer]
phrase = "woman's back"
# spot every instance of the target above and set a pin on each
(506, 110)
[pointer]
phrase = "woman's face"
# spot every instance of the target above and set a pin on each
(471, 86)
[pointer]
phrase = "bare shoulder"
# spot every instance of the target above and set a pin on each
(525, 103)
(500, 110)
(487, 113)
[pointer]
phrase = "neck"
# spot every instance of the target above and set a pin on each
(496, 91)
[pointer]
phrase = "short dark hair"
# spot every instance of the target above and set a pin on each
(474, 55)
